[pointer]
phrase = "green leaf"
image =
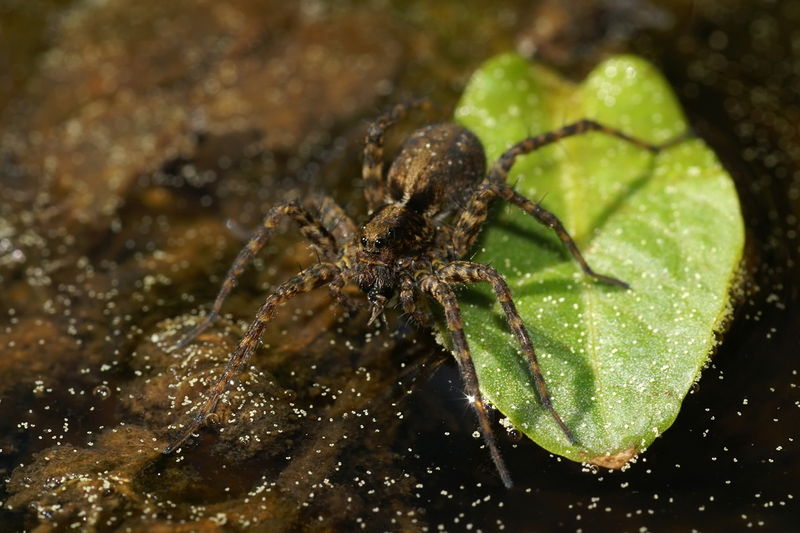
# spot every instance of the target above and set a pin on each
(618, 362)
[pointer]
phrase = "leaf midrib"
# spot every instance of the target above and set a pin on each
(574, 217)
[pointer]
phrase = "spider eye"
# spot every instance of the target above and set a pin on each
(364, 242)
(379, 243)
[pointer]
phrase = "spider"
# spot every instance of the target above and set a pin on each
(424, 217)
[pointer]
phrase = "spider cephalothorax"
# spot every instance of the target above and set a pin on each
(393, 232)
(424, 218)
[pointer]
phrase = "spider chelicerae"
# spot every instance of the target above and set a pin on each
(424, 217)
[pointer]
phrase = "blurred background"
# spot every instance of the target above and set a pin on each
(138, 140)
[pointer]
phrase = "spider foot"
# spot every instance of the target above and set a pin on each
(195, 332)
(609, 280)
(567, 432)
(190, 428)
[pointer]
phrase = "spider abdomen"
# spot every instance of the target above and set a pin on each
(437, 169)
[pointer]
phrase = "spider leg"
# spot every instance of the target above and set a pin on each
(470, 222)
(550, 220)
(311, 229)
(469, 272)
(334, 219)
(305, 281)
(443, 294)
(500, 169)
(372, 169)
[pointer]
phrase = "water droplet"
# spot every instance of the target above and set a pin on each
(102, 391)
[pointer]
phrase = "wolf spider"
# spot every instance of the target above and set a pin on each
(423, 219)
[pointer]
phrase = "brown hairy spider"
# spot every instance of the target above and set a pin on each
(423, 219)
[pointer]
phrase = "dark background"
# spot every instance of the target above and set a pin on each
(131, 132)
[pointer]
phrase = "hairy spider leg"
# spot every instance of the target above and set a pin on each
(445, 296)
(468, 272)
(305, 281)
(547, 218)
(334, 219)
(311, 229)
(372, 169)
(500, 169)
(471, 220)
(342, 227)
